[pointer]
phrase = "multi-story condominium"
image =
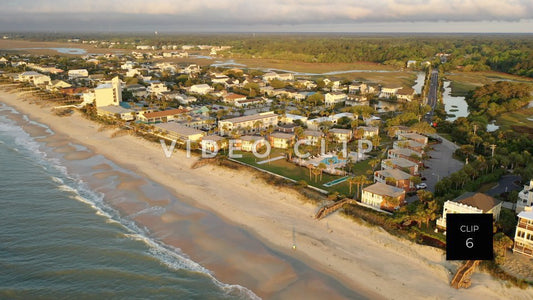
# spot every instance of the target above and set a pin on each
(525, 197)
(248, 124)
(108, 93)
(523, 240)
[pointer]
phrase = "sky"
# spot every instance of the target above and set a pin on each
(268, 15)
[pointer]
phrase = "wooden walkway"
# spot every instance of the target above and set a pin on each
(462, 277)
(331, 208)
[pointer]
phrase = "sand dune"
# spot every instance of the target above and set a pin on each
(364, 258)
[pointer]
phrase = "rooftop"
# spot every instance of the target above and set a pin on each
(526, 214)
(179, 129)
(251, 117)
(384, 190)
(478, 200)
(165, 113)
(394, 173)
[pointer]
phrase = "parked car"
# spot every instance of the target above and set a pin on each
(421, 186)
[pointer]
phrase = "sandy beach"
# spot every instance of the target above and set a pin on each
(366, 259)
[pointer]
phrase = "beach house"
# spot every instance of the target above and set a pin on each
(470, 203)
(523, 239)
(116, 111)
(409, 144)
(405, 153)
(383, 196)
(525, 197)
(394, 177)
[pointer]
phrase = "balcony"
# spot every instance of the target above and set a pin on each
(525, 226)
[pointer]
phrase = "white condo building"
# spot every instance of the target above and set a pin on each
(525, 197)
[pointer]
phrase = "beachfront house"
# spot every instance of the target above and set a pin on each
(523, 239)
(281, 140)
(525, 197)
(290, 118)
(178, 132)
(108, 93)
(248, 124)
(470, 203)
(383, 196)
(249, 102)
(394, 177)
(116, 111)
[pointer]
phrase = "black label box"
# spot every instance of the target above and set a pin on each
(469, 237)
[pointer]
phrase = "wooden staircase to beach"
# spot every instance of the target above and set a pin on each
(331, 208)
(462, 277)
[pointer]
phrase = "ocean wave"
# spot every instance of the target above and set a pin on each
(154, 210)
(170, 256)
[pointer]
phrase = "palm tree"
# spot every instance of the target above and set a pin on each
(360, 181)
(321, 167)
(310, 167)
(350, 181)
(316, 172)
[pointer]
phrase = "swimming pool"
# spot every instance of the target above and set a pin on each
(332, 160)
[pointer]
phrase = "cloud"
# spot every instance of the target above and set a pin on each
(204, 13)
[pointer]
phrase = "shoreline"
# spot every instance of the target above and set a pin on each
(366, 259)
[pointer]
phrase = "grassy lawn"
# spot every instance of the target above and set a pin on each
(519, 118)
(486, 186)
(461, 88)
(462, 82)
(295, 172)
(399, 78)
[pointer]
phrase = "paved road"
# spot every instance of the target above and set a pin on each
(431, 98)
(441, 163)
(506, 184)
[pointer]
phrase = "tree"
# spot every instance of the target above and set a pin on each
(360, 181)
(321, 167)
(501, 243)
(415, 180)
(424, 196)
(351, 181)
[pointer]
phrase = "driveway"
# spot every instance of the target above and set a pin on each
(506, 184)
(441, 163)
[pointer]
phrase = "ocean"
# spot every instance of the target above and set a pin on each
(59, 240)
(73, 224)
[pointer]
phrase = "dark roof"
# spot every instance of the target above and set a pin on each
(479, 200)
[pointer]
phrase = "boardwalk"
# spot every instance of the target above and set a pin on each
(462, 277)
(331, 208)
